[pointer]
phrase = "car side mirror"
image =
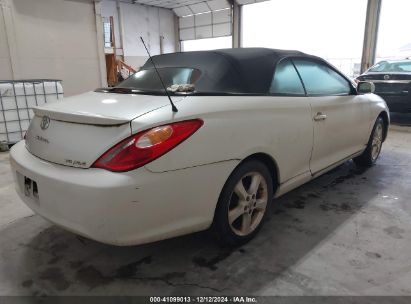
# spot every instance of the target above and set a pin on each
(365, 87)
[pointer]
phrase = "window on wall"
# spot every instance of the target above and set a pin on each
(206, 44)
(394, 33)
(333, 30)
(107, 28)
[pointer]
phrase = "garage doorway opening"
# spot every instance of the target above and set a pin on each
(394, 33)
(333, 30)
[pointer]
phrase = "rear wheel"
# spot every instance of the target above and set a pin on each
(372, 152)
(243, 203)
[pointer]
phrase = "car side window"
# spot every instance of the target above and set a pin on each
(404, 66)
(286, 80)
(319, 79)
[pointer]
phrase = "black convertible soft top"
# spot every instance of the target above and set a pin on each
(241, 70)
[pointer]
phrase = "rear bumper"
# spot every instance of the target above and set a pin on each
(121, 208)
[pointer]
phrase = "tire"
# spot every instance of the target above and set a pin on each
(241, 211)
(372, 152)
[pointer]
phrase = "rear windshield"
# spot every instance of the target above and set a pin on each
(391, 67)
(148, 80)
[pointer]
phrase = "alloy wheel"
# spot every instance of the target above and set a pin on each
(248, 203)
(377, 142)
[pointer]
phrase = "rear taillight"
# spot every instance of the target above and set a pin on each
(144, 147)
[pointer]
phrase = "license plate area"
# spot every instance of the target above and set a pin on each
(28, 187)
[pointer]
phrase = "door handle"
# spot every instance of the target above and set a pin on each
(320, 116)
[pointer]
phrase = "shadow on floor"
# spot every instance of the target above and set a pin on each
(43, 259)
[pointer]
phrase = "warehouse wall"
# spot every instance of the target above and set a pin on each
(137, 20)
(52, 39)
(109, 8)
(5, 64)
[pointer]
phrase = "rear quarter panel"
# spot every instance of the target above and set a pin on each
(236, 127)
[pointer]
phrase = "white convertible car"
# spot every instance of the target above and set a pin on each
(122, 166)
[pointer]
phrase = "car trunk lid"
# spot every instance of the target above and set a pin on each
(78, 130)
(103, 108)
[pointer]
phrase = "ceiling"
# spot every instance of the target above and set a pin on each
(191, 7)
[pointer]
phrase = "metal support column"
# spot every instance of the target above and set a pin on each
(177, 42)
(236, 30)
(120, 29)
(370, 34)
(7, 9)
(100, 43)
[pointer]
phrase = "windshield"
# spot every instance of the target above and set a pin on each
(148, 80)
(391, 67)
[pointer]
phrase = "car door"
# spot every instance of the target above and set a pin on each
(291, 121)
(340, 116)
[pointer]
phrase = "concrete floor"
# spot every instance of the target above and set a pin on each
(345, 233)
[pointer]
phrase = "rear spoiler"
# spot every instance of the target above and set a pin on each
(80, 117)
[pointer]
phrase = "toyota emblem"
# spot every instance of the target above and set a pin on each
(386, 77)
(45, 122)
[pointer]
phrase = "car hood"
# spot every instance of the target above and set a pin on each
(103, 108)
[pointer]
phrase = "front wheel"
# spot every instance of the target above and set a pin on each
(372, 152)
(243, 204)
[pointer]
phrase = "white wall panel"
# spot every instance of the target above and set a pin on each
(223, 29)
(204, 32)
(167, 30)
(198, 8)
(149, 22)
(203, 19)
(206, 25)
(54, 39)
(182, 11)
(135, 24)
(153, 32)
(5, 61)
(222, 16)
(187, 34)
(218, 4)
(186, 21)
